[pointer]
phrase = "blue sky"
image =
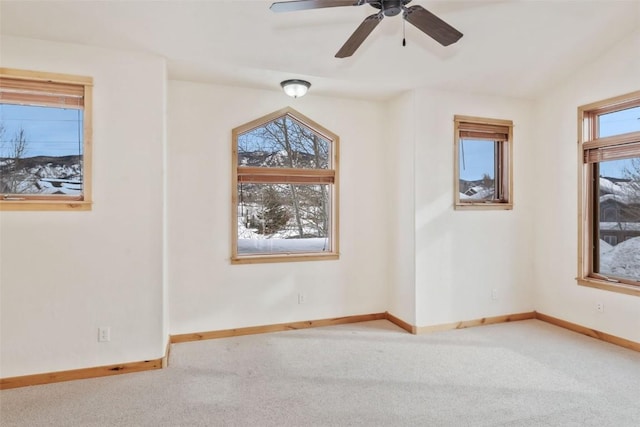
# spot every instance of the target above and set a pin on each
(620, 122)
(614, 124)
(476, 159)
(478, 154)
(50, 131)
(58, 132)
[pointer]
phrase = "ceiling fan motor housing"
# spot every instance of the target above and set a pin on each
(389, 7)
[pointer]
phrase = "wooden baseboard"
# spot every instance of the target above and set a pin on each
(252, 330)
(163, 362)
(593, 333)
(78, 374)
(476, 322)
(167, 353)
(401, 323)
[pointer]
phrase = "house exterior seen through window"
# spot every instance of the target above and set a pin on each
(483, 163)
(609, 231)
(285, 192)
(45, 134)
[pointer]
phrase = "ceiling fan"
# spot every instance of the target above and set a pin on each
(418, 16)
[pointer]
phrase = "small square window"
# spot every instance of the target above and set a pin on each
(45, 133)
(483, 158)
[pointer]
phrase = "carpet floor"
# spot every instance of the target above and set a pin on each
(526, 373)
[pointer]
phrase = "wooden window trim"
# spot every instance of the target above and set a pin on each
(71, 85)
(500, 131)
(588, 157)
(287, 176)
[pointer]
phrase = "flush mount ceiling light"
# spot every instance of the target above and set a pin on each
(295, 88)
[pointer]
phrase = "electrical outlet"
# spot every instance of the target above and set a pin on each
(104, 334)
(302, 298)
(600, 307)
(494, 293)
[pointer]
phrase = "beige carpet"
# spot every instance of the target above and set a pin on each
(526, 373)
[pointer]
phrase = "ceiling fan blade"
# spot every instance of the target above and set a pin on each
(358, 36)
(431, 25)
(292, 6)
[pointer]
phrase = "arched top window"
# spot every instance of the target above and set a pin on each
(285, 192)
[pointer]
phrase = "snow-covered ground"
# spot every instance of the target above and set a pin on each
(46, 178)
(477, 193)
(282, 246)
(622, 260)
(250, 242)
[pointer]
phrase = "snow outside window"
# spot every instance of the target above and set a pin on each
(285, 190)
(44, 141)
(609, 255)
(483, 163)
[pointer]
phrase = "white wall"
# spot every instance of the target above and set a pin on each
(206, 291)
(403, 247)
(461, 256)
(64, 274)
(401, 179)
(557, 294)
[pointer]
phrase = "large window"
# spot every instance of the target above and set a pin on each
(285, 193)
(45, 141)
(609, 230)
(483, 160)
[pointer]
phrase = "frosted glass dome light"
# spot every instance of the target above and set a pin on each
(295, 88)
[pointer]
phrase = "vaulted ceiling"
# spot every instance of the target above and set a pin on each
(510, 47)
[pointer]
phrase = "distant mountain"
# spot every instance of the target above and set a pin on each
(280, 159)
(41, 175)
(30, 162)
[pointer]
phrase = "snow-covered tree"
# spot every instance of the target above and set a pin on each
(285, 142)
(13, 152)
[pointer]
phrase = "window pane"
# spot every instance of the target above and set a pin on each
(40, 150)
(619, 227)
(477, 169)
(283, 143)
(283, 218)
(619, 122)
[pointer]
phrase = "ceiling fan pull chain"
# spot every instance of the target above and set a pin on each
(404, 40)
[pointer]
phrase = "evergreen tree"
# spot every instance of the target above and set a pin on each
(274, 216)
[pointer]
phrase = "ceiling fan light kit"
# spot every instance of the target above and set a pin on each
(295, 88)
(416, 15)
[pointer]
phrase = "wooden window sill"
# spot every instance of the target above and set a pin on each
(261, 259)
(45, 205)
(483, 206)
(621, 288)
